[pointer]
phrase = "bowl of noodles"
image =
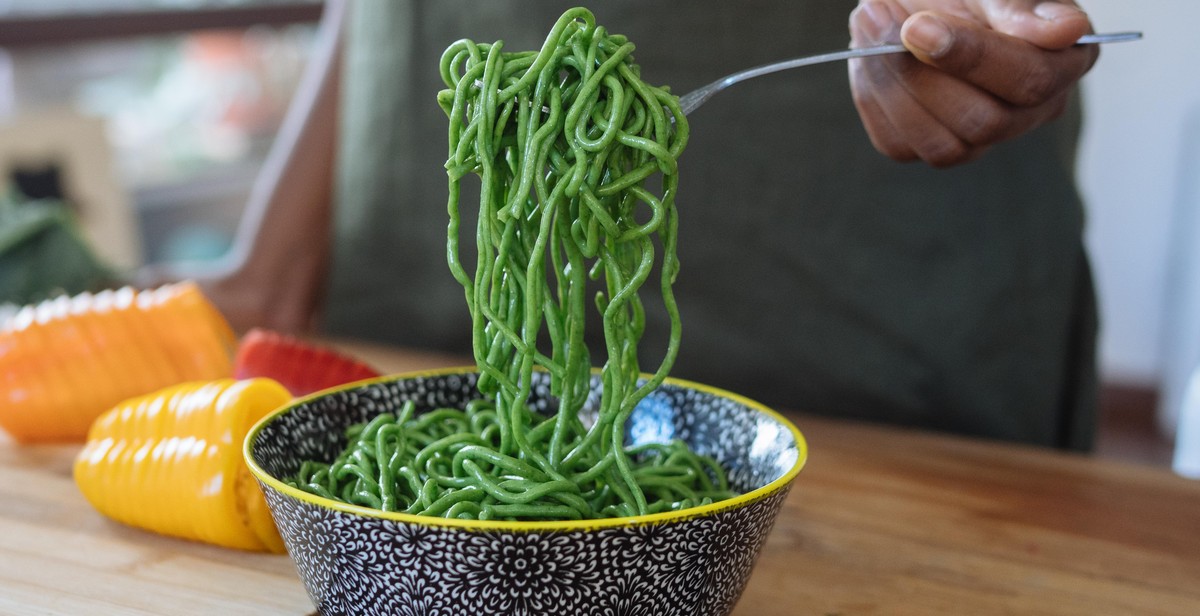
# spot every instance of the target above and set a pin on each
(355, 557)
(555, 476)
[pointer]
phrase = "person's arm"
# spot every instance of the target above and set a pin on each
(274, 273)
(981, 72)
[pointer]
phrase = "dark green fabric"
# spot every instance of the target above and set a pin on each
(817, 274)
(42, 253)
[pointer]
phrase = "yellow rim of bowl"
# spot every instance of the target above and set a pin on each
(741, 500)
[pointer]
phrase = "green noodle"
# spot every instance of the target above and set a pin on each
(565, 142)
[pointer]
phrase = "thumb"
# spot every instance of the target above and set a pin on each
(1049, 24)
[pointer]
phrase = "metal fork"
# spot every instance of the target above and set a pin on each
(692, 100)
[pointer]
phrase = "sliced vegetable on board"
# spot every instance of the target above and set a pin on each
(171, 462)
(301, 367)
(65, 361)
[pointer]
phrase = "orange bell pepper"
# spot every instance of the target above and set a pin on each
(65, 361)
(171, 462)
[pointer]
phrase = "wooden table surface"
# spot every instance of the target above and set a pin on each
(881, 521)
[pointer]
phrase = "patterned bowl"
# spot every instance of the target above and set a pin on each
(355, 560)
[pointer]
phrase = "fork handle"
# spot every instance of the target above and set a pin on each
(690, 101)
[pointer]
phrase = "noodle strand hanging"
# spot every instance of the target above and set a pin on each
(566, 142)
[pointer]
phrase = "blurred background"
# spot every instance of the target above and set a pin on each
(188, 93)
(152, 117)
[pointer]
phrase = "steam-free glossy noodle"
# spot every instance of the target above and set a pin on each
(567, 142)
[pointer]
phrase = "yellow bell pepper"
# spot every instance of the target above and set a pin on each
(171, 462)
(65, 361)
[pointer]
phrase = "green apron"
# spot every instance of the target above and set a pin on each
(817, 275)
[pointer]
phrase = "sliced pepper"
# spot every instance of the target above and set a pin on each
(300, 366)
(65, 361)
(171, 462)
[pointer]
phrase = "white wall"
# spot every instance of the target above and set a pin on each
(1142, 101)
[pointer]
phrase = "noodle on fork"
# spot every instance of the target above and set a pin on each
(577, 163)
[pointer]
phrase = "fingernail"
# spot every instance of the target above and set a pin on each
(1051, 11)
(928, 34)
(878, 23)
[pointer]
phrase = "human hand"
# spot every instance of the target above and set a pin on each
(981, 72)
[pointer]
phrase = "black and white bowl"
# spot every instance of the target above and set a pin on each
(694, 562)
